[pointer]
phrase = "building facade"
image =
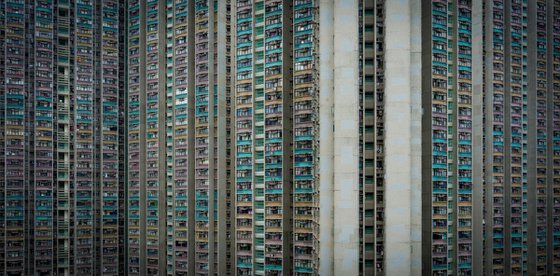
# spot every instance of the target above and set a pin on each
(520, 107)
(448, 137)
(489, 192)
(279, 137)
(62, 163)
(179, 173)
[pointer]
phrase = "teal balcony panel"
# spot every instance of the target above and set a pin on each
(439, 51)
(301, 19)
(438, 25)
(273, 178)
(241, 20)
(199, 218)
(244, 142)
(276, 165)
(201, 208)
(304, 138)
(248, 31)
(439, 38)
(272, 64)
(303, 164)
(298, 151)
(245, 56)
(244, 167)
(273, 267)
(274, 140)
(439, 63)
(244, 154)
(303, 6)
(273, 191)
(14, 116)
(243, 179)
(303, 191)
(305, 58)
(276, 12)
(244, 44)
(244, 192)
(245, 265)
(273, 51)
(303, 269)
(304, 177)
(303, 45)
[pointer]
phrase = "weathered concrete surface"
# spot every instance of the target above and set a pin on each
(403, 138)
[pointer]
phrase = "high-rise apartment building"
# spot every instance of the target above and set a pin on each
(489, 191)
(179, 173)
(264, 135)
(62, 72)
(520, 111)
(448, 152)
(507, 121)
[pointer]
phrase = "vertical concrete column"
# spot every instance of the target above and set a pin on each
(478, 126)
(142, 165)
(531, 136)
(222, 136)
(488, 57)
(191, 97)
(403, 142)
(346, 138)
(550, 136)
(162, 130)
(211, 139)
(326, 129)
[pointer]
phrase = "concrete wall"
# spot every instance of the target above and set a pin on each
(346, 138)
(403, 139)
(339, 111)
